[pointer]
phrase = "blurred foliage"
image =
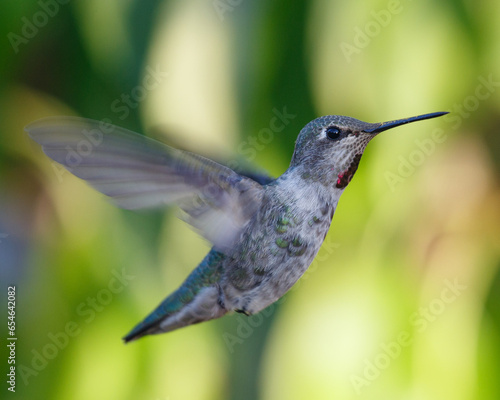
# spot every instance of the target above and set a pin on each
(422, 214)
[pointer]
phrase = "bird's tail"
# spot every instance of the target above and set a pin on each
(197, 300)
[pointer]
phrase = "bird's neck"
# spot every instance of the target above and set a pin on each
(310, 186)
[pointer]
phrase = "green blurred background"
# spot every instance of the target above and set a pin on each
(403, 301)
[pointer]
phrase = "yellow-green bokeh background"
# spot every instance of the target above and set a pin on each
(391, 248)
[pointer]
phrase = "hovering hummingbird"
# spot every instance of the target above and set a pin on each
(265, 232)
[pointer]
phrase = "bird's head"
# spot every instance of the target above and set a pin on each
(329, 148)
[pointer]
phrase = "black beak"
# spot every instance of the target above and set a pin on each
(383, 126)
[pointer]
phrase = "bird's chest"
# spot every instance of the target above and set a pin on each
(279, 245)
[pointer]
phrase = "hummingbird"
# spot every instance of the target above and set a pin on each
(265, 232)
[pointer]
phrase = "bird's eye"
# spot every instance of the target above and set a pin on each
(333, 132)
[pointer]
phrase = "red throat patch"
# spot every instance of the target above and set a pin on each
(345, 177)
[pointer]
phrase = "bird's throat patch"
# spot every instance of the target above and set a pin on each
(345, 177)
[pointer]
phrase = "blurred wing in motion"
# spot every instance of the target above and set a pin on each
(237, 164)
(139, 172)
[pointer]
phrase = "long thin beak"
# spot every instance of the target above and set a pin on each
(383, 126)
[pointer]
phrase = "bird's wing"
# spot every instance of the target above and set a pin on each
(138, 172)
(237, 164)
(258, 177)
